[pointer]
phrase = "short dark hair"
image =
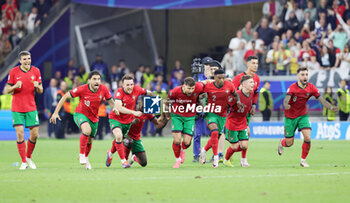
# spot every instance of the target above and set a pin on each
(190, 81)
(244, 78)
(252, 58)
(23, 53)
(219, 71)
(302, 69)
(94, 72)
(215, 63)
(127, 77)
(266, 82)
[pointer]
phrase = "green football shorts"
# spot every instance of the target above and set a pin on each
(214, 118)
(182, 124)
(30, 118)
(137, 146)
(80, 118)
(291, 124)
(249, 115)
(116, 124)
(235, 136)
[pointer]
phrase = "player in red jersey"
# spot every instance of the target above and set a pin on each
(183, 101)
(86, 114)
(236, 124)
(125, 101)
(22, 82)
(217, 92)
(133, 142)
(252, 67)
(296, 114)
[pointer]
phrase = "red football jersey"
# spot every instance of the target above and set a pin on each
(298, 99)
(23, 98)
(129, 102)
(237, 118)
(90, 101)
(135, 129)
(219, 96)
(236, 83)
(183, 104)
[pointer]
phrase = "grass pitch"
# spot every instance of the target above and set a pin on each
(60, 177)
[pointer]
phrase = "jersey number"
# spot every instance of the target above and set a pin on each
(241, 109)
(214, 97)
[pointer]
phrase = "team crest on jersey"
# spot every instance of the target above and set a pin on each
(118, 94)
(226, 91)
(133, 97)
(194, 94)
(32, 77)
(100, 97)
(230, 99)
(75, 90)
(295, 98)
(307, 94)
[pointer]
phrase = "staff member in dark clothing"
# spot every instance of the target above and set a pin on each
(266, 101)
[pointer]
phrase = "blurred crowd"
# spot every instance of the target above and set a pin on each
(295, 33)
(18, 18)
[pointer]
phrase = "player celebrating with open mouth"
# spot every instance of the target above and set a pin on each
(236, 122)
(296, 115)
(86, 114)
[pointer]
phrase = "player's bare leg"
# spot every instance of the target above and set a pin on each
(84, 139)
(177, 148)
(212, 143)
(229, 152)
(306, 146)
(87, 152)
(221, 147)
(285, 142)
(117, 132)
(140, 158)
(244, 151)
(186, 143)
(34, 133)
(244, 146)
(21, 146)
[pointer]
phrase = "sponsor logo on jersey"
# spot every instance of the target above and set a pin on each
(32, 77)
(75, 90)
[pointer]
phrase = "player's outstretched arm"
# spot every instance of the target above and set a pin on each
(149, 93)
(160, 122)
(10, 89)
(286, 101)
(124, 110)
(113, 106)
(58, 108)
(327, 104)
(39, 87)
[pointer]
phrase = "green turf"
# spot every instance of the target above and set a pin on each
(60, 178)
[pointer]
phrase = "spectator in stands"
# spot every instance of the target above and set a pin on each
(258, 42)
(314, 64)
(298, 13)
(227, 64)
(25, 7)
(82, 74)
(236, 41)
(265, 33)
(282, 59)
(264, 66)
(339, 37)
(159, 80)
(271, 8)
(343, 101)
(139, 74)
(250, 52)
(311, 10)
(344, 68)
(238, 59)
(325, 58)
(294, 64)
(147, 77)
(13, 38)
(50, 102)
(70, 66)
(9, 8)
(177, 68)
(58, 77)
(248, 31)
(346, 26)
(61, 124)
(322, 8)
(100, 66)
(32, 20)
(276, 24)
(334, 55)
(114, 77)
(307, 25)
(322, 28)
(5, 45)
(177, 80)
(292, 23)
(122, 69)
(43, 8)
(266, 101)
(160, 67)
(306, 49)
